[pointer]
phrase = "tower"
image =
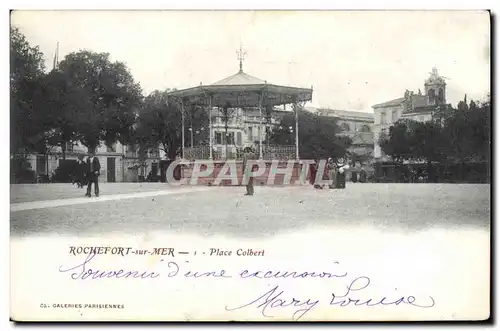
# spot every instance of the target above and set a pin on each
(435, 88)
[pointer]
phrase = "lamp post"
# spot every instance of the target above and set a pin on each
(192, 143)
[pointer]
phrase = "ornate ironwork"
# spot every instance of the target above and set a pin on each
(270, 152)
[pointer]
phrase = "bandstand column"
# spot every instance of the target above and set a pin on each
(260, 127)
(296, 108)
(182, 115)
(210, 142)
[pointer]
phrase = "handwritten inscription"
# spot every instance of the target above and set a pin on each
(273, 300)
(276, 299)
(83, 271)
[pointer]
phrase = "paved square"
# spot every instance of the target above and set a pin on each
(225, 210)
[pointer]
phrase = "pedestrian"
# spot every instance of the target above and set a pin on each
(332, 173)
(342, 166)
(316, 170)
(248, 168)
(93, 171)
(354, 173)
(81, 173)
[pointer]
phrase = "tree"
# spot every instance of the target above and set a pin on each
(159, 124)
(57, 110)
(415, 141)
(26, 69)
(111, 98)
(468, 132)
(197, 119)
(318, 136)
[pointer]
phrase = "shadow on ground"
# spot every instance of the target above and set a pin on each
(273, 210)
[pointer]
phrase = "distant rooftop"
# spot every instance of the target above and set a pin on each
(395, 102)
(240, 78)
(346, 113)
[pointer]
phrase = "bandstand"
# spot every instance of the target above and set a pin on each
(244, 95)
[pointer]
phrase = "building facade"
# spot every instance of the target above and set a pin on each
(119, 163)
(356, 125)
(421, 107)
(245, 128)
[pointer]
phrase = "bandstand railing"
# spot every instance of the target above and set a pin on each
(269, 152)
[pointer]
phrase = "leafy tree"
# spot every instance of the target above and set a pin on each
(159, 124)
(318, 136)
(111, 98)
(57, 111)
(196, 118)
(26, 69)
(468, 133)
(412, 140)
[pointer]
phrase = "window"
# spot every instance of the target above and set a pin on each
(382, 118)
(365, 128)
(441, 96)
(394, 116)
(230, 138)
(250, 134)
(218, 138)
(432, 96)
(345, 127)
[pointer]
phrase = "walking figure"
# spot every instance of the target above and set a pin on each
(81, 172)
(248, 168)
(332, 173)
(93, 171)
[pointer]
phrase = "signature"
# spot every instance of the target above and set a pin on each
(275, 298)
(362, 283)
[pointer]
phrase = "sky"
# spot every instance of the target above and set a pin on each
(352, 59)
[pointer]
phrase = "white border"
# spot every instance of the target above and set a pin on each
(185, 4)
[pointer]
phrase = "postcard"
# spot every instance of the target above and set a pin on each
(250, 166)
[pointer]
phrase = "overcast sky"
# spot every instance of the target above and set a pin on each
(352, 59)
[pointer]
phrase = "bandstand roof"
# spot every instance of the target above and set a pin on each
(243, 90)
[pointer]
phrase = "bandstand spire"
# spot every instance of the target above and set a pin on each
(241, 56)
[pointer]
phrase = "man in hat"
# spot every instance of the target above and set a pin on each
(332, 172)
(248, 167)
(93, 172)
(81, 172)
(342, 166)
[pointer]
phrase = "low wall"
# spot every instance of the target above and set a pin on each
(235, 178)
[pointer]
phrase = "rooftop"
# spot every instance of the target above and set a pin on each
(346, 113)
(240, 78)
(395, 102)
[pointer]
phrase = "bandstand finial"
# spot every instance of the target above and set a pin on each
(241, 56)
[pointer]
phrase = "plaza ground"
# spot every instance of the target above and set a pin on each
(420, 240)
(225, 210)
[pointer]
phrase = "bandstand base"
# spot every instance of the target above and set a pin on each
(230, 179)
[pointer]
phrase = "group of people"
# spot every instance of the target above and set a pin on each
(335, 170)
(88, 173)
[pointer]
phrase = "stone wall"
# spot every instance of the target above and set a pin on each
(237, 178)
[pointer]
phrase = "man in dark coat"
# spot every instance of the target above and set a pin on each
(248, 167)
(93, 171)
(81, 172)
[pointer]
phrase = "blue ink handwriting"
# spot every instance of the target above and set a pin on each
(274, 299)
(362, 283)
